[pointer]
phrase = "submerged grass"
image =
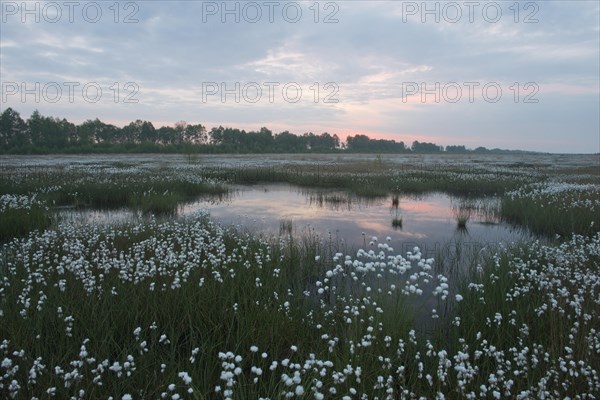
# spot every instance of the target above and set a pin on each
(461, 220)
(286, 227)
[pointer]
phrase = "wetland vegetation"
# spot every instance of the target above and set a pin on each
(185, 303)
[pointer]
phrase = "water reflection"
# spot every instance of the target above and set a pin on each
(338, 201)
(397, 219)
(483, 211)
(445, 228)
(427, 221)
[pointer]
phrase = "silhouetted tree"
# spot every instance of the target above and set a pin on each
(44, 134)
(13, 130)
(425, 147)
(456, 149)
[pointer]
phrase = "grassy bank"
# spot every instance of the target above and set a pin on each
(157, 190)
(380, 178)
(554, 208)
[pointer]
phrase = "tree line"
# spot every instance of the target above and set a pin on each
(41, 134)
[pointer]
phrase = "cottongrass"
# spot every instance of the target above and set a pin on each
(20, 214)
(554, 207)
(530, 320)
(150, 188)
(187, 309)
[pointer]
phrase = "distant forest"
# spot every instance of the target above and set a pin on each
(44, 135)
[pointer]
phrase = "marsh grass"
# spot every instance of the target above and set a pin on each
(525, 324)
(286, 227)
(156, 203)
(76, 296)
(376, 179)
(549, 216)
(462, 219)
(117, 194)
(505, 309)
(462, 213)
(19, 222)
(257, 300)
(121, 185)
(95, 190)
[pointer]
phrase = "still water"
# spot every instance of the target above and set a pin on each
(346, 222)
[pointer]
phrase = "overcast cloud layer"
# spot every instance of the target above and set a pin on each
(367, 60)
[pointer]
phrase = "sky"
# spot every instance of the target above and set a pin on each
(516, 75)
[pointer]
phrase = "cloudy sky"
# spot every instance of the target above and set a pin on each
(491, 74)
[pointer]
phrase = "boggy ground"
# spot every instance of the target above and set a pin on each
(182, 308)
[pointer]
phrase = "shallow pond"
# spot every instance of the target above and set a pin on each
(448, 229)
(344, 223)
